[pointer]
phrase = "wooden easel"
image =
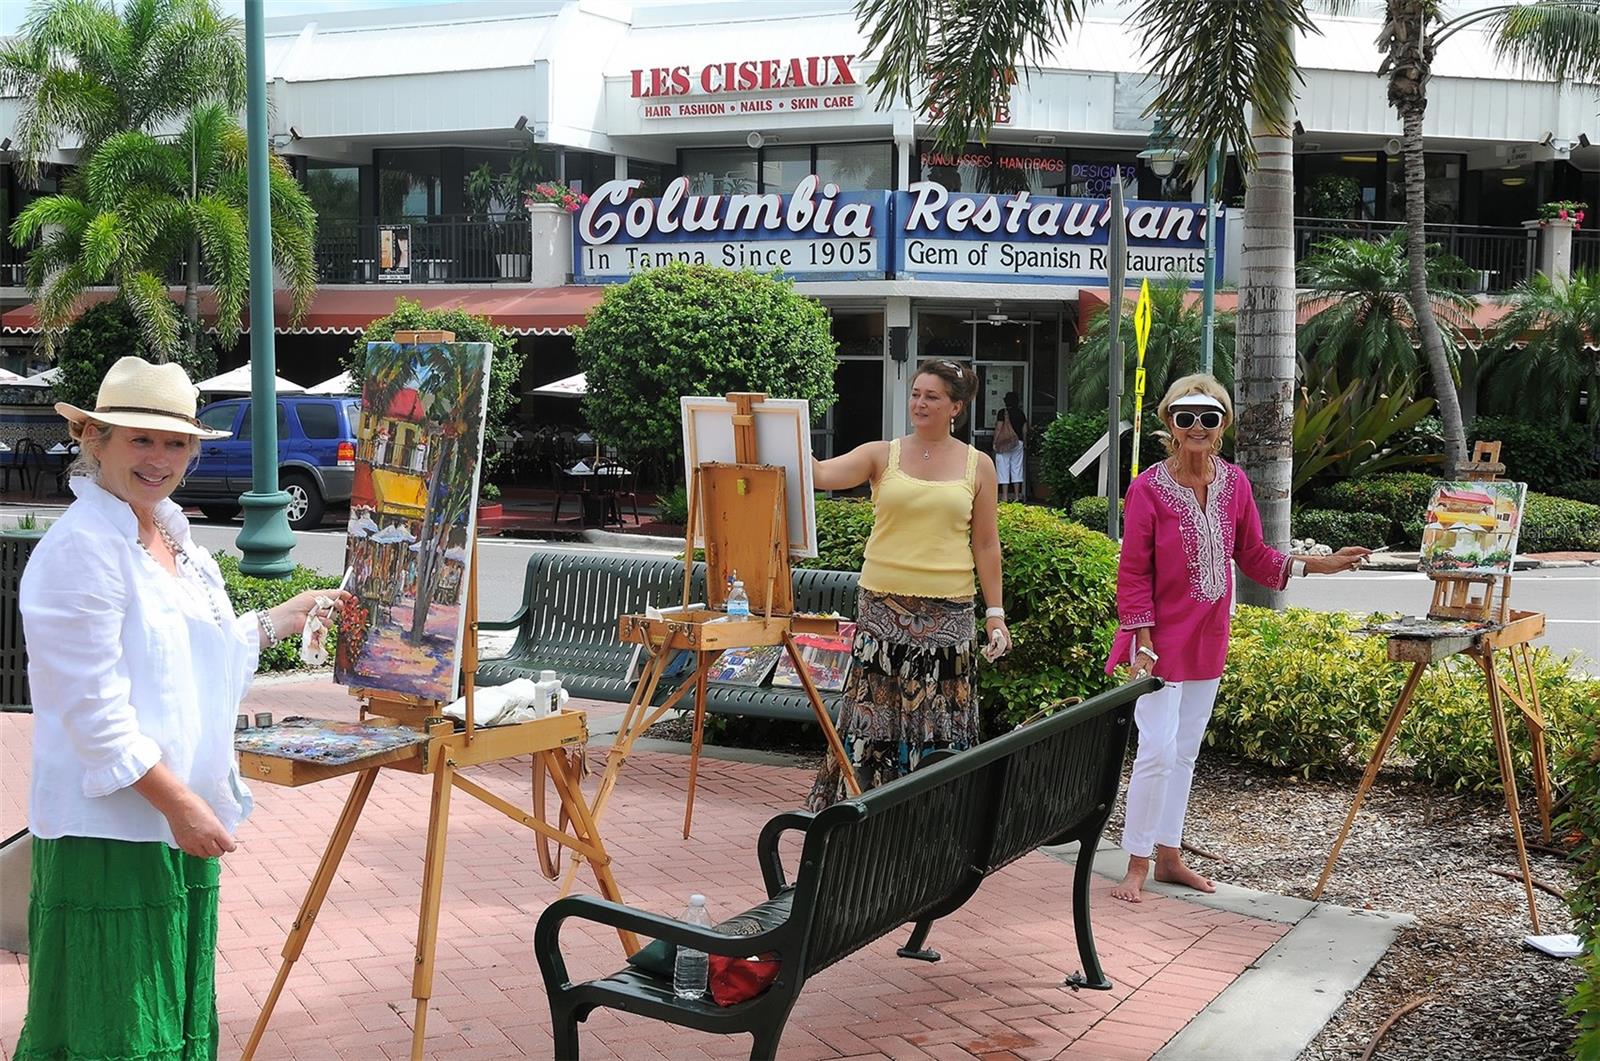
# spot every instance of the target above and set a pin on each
(1486, 600)
(741, 511)
(442, 752)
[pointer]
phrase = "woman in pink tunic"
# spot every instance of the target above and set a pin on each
(1187, 521)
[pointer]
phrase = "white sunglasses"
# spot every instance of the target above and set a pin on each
(1183, 419)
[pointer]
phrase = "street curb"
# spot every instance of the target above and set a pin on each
(1283, 1001)
(633, 542)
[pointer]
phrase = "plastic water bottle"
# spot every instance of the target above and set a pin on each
(690, 967)
(738, 601)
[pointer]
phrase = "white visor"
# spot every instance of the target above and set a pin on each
(1196, 401)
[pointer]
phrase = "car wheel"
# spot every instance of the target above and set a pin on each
(220, 513)
(305, 503)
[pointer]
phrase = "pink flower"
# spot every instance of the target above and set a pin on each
(1562, 213)
(1578, 217)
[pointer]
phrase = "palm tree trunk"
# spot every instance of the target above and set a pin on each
(191, 297)
(1264, 381)
(1468, 390)
(1444, 387)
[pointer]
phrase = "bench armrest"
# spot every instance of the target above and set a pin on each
(505, 624)
(547, 934)
(767, 847)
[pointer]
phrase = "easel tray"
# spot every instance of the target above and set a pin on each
(299, 751)
(709, 630)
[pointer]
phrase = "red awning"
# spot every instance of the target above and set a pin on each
(348, 310)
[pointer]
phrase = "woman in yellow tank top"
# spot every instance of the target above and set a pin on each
(910, 690)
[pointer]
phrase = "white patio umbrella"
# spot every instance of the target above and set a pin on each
(8, 376)
(40, 379)
(571, 387)
(340, 384)
(238, 382)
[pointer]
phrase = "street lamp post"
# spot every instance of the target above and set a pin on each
(266, 538)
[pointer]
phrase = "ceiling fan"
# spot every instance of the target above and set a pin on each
(999, 318)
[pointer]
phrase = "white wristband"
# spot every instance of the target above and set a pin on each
(1145, 650)
(994, 613)
(1297, 568)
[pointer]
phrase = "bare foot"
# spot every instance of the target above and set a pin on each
(1131, 888)
(1173, 871)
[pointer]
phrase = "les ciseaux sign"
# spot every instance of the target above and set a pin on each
(809, 83)
(926, 232)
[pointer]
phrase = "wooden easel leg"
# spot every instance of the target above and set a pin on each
(1508, 778)
(698, 739)
(829, 732)
(312, 904)
(1541, 757)
(566, 779)
(1373, 766)
(432, 888)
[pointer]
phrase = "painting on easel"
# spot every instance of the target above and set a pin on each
(1471, 528)
(419, 454)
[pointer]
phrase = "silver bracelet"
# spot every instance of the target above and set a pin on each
(994, 613)
(265, 622)
(1145, 650)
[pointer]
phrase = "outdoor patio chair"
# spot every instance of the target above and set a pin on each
(73, 450)
(619, 483)
(560, 483)
(27, 461)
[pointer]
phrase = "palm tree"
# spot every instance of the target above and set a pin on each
(1176, 328)
(85, 70)
(1558, 39)
(1215, 63)
(1363, 325)
(143, 204)
(1543, 348)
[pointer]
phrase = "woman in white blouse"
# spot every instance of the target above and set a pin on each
(137, 665)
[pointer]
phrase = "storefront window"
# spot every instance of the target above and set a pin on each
(410, 184)
(720, 170)
(944, 334)
(586, 171)
(784, 167)
(655, 175)
(1444, 178)
(959, 171)
(1035, 170)
(334, 191)
(856, 167)
(1090, 173)
(857, 416)
(1338, 187)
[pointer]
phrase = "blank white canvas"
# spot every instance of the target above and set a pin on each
(783, 438)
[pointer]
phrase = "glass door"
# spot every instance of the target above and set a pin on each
(1002, 362)
(945, 334)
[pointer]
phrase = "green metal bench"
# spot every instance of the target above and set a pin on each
(912, 851)
(568, 624)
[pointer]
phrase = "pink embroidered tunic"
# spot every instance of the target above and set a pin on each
(1176, 572)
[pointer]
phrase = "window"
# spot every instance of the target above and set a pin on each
(586, 171)
(965, 171)
(720, 170)
(410, 184)
(1444, 180)
(856, 167)
(318, 419)
(655, 175)
(334, 191)
(784, 167)
(1035, 170)
(243, 434)
(1090, 174)
(219, 417)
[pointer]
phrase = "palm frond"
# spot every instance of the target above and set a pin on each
(125, 162)
(65, 212)
(102, 247)
(225, 241)
(158, 317)
(1215, 60)
(1560, 41)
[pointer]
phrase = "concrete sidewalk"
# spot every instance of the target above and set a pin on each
(1241, 975)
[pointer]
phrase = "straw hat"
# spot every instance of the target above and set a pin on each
(136, 393)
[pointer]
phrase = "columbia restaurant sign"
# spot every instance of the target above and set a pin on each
(929, 233)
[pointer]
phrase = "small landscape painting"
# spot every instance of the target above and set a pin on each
(1471, 528)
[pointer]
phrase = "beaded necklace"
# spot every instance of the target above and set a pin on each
(180, 556)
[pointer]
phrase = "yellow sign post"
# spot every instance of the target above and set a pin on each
(1141, 336)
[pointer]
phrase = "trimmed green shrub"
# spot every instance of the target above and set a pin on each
(1400, 496)
(107, 332)
(1585, 490)
(1543, 455)
(1066, 438)
(1339, 529)
(250, 594)
(673, 506)
(698, 329)
(1555, 524)
(1060, 600)
(1581, 766)
(1092, 511)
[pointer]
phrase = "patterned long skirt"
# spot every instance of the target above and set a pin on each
(909, 690)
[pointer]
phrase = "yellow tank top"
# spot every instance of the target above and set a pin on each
(921, 542)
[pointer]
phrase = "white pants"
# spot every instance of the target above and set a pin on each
(1008, 467)
(1172, 720)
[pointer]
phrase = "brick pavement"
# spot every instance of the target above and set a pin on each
(996, 995)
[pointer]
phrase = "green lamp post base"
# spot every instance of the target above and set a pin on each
(266, 539)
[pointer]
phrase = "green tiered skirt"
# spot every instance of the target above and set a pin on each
(121, 953)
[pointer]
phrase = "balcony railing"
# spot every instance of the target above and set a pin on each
(443, 250)
(1502, 257)
(1585, 250)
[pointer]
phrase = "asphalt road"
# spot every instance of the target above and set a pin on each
(1569, 597)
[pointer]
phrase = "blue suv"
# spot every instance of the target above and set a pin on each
(316, 457)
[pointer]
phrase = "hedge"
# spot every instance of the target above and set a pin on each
(1339, 529)
(1060, 599)
(1069, 435)
(1582, 823)
(249, 594)
(1550, 524)
(1555, 524)
(1092, 512)
(1545, 456)
(1585, 490)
